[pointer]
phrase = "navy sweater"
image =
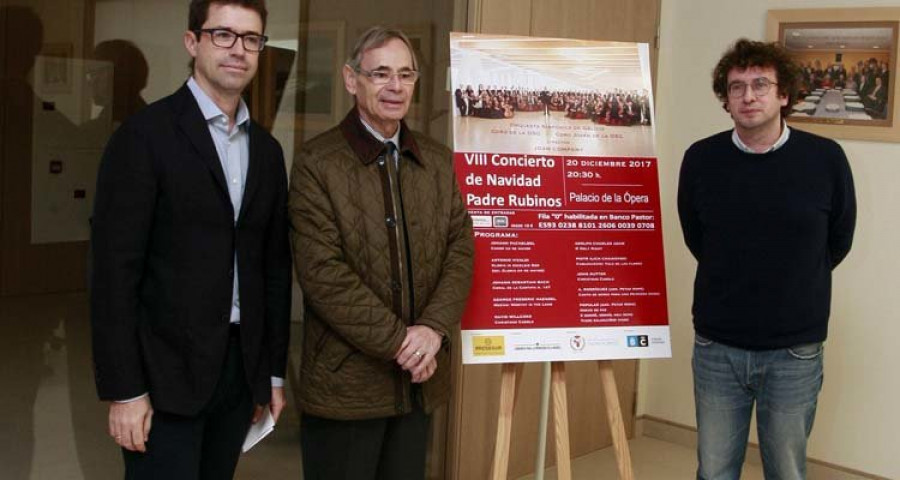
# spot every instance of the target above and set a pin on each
(766, 230)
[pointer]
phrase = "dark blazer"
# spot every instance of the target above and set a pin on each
(164, 241)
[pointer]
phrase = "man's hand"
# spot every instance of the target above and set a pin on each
(129, 423)
(276, 405)
(416, 354)
(424, 374)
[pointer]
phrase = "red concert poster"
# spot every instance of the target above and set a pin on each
(555, 157)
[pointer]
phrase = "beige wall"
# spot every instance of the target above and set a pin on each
(856, 424)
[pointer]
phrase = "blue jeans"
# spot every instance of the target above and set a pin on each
(784, 384)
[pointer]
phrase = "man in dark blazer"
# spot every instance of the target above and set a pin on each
(191, 262)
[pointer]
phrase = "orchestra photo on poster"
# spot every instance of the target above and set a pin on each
(565, 96)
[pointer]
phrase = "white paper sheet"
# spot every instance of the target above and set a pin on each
(259, 430)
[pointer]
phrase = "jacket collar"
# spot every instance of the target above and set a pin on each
(367, 148)
(192, 123)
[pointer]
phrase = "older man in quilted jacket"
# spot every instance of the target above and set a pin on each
(383, 251)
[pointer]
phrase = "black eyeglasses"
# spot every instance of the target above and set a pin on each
(383, 77)
(759, 86)
(224, 38)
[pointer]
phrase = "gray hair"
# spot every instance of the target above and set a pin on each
(376, 37)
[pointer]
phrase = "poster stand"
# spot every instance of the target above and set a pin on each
(510, 379)
(615, 420)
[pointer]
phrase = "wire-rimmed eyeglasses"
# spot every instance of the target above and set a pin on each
(383, 77)
(759, 86)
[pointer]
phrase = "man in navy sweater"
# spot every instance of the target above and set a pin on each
(768, 212)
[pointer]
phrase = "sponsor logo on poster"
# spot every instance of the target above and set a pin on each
(577, 343)
(638, 341)
(488, 346)
(481, 221)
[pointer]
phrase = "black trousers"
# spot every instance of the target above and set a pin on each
(390, 448)
(205, 446)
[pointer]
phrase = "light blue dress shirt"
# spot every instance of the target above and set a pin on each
(233, 147)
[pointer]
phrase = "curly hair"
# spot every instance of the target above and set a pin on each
(747, 53)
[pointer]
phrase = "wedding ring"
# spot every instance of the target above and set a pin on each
(418, 353)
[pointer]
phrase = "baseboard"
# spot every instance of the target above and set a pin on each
(686, 436)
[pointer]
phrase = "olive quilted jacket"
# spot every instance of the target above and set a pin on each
(369, 268)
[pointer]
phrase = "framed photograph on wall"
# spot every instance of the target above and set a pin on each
(53, 69)
(319, 95)
(849, 89)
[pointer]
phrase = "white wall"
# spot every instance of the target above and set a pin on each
(857, 422)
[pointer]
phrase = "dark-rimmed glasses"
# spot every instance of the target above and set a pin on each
(224, 38)
(383, 77)
(759, 86)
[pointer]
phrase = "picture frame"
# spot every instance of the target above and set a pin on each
(54, 69)
(847, 55)
(323, 53)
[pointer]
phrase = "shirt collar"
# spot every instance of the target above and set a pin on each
(785, 134)
(395, 139)
(367, 147)
(212, 111)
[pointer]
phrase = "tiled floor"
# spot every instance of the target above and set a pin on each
(651, 459)
(278, 456)
(53, 428)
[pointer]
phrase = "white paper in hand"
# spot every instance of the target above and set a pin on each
(259, 430)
